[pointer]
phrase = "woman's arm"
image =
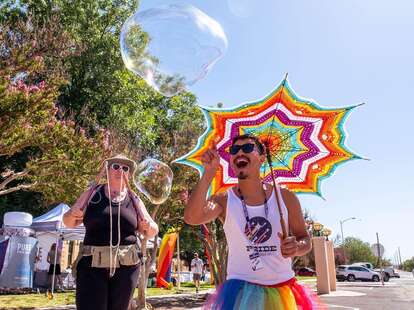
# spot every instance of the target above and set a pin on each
(146, 225)
(74, 217)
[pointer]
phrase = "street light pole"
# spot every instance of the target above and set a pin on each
(399, 256)
(342, 234)
(342, 230)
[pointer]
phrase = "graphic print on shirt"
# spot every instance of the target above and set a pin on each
(260, 231)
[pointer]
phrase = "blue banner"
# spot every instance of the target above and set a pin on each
(3, 249)
(19, 259)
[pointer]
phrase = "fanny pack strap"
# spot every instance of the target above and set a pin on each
(127, 255)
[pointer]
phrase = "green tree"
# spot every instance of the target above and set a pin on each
(358, 251)
(190, 242)
(102, 94)
(28, 124)
(408, 265)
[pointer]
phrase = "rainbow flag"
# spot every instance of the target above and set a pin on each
(164, 260)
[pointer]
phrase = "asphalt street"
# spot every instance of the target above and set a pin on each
(397, 294)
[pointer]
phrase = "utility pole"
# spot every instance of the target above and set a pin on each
(179, 262)
(342, 235)
(399, 256)
(380, 260)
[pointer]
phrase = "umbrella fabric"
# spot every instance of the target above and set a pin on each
(306, 141)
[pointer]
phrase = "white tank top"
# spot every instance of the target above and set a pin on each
(276, 269)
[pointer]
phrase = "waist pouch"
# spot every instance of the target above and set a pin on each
(128, 255)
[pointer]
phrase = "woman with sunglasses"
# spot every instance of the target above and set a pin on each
(108, 263)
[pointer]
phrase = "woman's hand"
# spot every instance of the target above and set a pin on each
(144, 224)
(76, 212)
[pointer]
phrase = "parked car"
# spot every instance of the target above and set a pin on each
(387, 273)
(352, 273)
(390, 271)
(364, 264)
(306, 272)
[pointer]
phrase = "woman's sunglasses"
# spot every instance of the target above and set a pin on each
(118, 166)
(246, 148)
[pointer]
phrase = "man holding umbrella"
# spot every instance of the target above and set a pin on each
(259, 268)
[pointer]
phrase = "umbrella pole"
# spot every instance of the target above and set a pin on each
(282, 220)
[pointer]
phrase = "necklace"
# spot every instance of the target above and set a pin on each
(118, 196)
(246, 212)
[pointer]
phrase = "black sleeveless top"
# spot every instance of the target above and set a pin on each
(97, 225)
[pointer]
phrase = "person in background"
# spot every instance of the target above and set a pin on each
(56, 267)
(197, 266)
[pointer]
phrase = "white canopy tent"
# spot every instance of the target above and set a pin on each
(49, 229)
(52, 221)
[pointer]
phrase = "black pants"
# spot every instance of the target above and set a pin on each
(95, 290)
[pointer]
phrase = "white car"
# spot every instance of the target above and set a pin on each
(388, 272)
(352, 273)
(364, 264)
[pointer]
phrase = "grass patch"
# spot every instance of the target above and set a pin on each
(186, 287)
(30, 301)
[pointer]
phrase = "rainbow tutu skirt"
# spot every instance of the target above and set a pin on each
(242, 295)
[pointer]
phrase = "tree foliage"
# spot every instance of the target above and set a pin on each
(30, 77)
(87, 104)
(357, 250)
(408, 265)
(101, 94)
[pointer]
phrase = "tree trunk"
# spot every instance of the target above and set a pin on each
(217, 248)
(145, 269)
(143, 280)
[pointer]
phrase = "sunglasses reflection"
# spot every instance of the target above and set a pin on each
(116, 167)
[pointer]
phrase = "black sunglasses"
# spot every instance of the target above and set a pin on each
(118, 166)
(246, 148)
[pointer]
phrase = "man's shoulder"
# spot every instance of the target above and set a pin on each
(289, 198)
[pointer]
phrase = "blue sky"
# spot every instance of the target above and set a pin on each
(339, 53)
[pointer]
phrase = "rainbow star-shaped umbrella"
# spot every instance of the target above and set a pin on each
(305, 142)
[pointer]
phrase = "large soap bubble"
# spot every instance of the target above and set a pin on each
(154, 179)
(241, 8)
(172, 47)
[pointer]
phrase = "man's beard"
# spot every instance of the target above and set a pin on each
(242, 176)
